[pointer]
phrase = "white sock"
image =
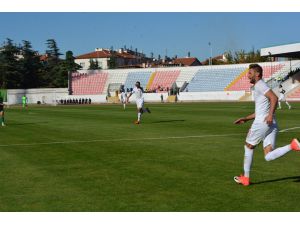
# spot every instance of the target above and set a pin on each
(139, 116)
(288, 104)
(247, 161)
(278, 152)
(124, 105)
(279, 105)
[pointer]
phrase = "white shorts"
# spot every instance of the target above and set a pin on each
(140, 103)
(281, 97)
(260, 131)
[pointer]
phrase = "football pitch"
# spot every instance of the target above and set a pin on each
(183, 157)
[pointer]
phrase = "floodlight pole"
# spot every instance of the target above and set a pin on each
(270, 55)
(210, 59)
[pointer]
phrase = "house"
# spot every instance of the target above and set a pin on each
(188, 61)
(217, 60)
(123, 58)
(173, 62)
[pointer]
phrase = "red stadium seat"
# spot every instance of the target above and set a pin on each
(88, 84)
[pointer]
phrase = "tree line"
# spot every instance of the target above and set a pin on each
(238, 57)
(22, 67)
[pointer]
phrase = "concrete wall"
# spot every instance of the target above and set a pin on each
(151, 97)
(50, 95)
(94, 98)
(44, 95)
(211, 96)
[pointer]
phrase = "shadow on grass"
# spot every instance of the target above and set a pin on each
(22, 124)
(168, 121)
(294, 178)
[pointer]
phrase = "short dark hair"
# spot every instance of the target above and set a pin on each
(138, 83)
(257, 68)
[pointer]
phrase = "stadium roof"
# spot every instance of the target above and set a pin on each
(286, 51)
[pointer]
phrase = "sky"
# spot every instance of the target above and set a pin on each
(160, 33)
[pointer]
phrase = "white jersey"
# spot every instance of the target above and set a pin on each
(260, 130)
(123, 96)
(262, 103)
(281, 95)
(138, 93)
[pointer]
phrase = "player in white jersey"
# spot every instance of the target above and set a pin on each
(138, 91)
(264, 128)
(282, 98)
(123, 96)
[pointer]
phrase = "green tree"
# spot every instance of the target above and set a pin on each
(70, 62)
(94, 65)
(10, 75)
(52, 51)
(229, 57)
(55, 73)
(112, 62)
(240, 57)
(31, 66)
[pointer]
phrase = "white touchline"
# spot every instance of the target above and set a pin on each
(293, 128)
(115, 140)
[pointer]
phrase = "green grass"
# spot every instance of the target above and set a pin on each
(180, 174)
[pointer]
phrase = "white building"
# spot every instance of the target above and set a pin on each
(100, 55)
(123, 58)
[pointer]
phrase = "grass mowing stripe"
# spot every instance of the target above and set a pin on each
(116, 140)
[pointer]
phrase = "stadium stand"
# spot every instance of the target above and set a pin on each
(186, 75)
(142, 76)
(115, 79)
(150, 81)
(295, 94)
(194, 79)
(214, 79)
(164, 79)
(241, 82)
(84, 83)
(270, 71)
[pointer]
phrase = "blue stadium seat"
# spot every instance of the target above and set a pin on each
(213, 79)
(133, 77)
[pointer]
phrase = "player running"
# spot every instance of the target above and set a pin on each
(2, 112)
(138, 91)
(282, 98)
(264, 127)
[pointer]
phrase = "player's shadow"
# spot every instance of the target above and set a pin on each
(168, 121)
(294, 179)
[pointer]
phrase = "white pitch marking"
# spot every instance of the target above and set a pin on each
(293, 128)
(115, 140)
